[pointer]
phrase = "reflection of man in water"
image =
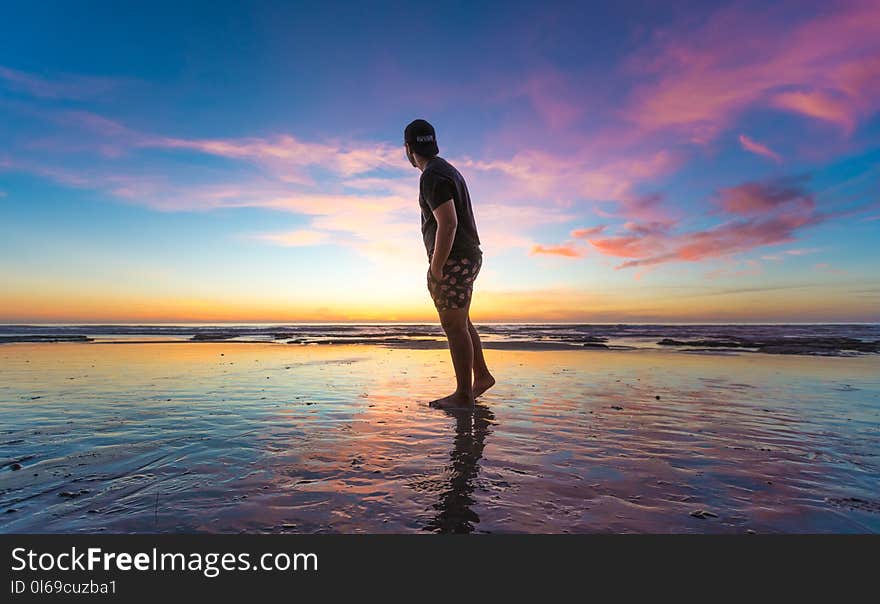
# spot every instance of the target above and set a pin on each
(454, 513)
(453, 246)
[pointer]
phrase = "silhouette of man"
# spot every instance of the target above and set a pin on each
(450, 234)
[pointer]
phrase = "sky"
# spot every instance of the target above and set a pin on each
(627, 162)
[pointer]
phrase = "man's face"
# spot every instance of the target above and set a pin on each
(409, 155)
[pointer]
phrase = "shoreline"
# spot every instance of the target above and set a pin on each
(723, 346)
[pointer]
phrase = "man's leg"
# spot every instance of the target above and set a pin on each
(483, 380)
(455, 324)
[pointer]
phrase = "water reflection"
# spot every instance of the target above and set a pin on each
(454, 511)
(277, 438)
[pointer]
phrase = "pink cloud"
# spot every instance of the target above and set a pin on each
(738, 236)
(642, 240)
(648, 208)
(285, 151)
(285, 156)
(588, 174)
(337, 210)
(560, 182)
(624, 247)
(657, 227)
(755, 198)
(538, 187)
(588, 232)
(767, 214)
(757, 148)
(821, 66)
(569, 251)
(819, 105)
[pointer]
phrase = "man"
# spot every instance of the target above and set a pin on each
(454, 256)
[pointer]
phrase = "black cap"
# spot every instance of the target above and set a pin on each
(421, 138)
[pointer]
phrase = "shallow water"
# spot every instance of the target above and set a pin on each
(269, 437)
(516, 335)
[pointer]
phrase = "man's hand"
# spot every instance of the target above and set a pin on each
(437, 272)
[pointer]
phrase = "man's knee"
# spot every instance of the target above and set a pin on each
(454, 321)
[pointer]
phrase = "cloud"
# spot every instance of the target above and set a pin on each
(641, 239)
(689, 81)
(587, 232)
(286, 155)
(565, 178)
(765, 214)
(358, 194)
(300, 238)
(569, 251)
(757, 148)
(697, 81)
(345, 177)
(63, 87)
(645, 208)
(793, 252)
(755, 198)
(624, 247)
(819, 105)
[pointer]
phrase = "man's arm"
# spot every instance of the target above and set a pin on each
(447, 224)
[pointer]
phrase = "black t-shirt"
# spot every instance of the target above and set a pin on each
(439, 183)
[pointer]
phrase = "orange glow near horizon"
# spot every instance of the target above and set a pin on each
(563, 306)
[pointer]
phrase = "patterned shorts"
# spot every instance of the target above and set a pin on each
(454, 290)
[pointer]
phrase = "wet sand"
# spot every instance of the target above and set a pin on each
(269, 437)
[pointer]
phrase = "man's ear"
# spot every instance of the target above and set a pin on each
(410, 155)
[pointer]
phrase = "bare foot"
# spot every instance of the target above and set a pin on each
(483, 383)
(454, 401)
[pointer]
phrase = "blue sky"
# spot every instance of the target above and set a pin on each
(201, 162)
